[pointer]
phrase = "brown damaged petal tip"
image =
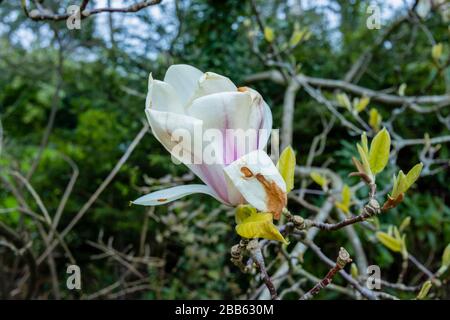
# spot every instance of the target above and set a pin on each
(276, 198)
(246, 172)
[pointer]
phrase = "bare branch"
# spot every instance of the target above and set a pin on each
(99, 190)
(46, 14)
(414, 102)
(342, 260)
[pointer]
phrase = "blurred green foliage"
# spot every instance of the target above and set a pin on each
(98, 114)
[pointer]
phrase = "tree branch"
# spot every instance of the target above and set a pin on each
(342, 260)
(46, 14)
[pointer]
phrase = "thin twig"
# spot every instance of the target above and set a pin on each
(342, 260)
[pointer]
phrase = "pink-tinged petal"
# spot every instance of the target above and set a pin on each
(177, 133)
(184, 79)
(263, 113)
(168, 195)
(259, 182)
(161, 96)
(239, 115)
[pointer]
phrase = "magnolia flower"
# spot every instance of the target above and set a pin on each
(240, 172)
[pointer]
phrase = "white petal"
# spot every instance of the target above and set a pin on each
(162, 96)
(265, 116)
(230, 110)
(168, 195)
(240, 116)
(184, 79)
(168, 128)
(259, 182)
(211, 82)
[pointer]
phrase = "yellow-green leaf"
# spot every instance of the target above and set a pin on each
(286, 166)
(400, 185)
(259, 225)
(413, 174)
(342, 207)
(424, 290)
(297, 36)
(375, 119)
(402, 89)
(243, 211)
(361, 104)
(344, 101)
(403, 182)
(364, 160)
(307, 35)
(344, 204)
(446, 256)
(404, 249)
(269, 35)
(354, 271)
(346, 195)
(445, 261)
(319, 179)
(405, 223)
(397, 234)
(379, 151)
(365, 143)
(389, 241)
(436, 51)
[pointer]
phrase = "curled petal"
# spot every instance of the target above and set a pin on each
(244, 120)
(168, 195)
(176, 132)
(264, 115)
(259, 182)
(184, 79)
(179, 135)
(211, 82)
(161, 96)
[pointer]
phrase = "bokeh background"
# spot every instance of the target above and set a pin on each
(72, 101)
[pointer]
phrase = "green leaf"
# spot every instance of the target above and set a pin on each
(243, 211)
(361, 104)
(259, 225)
(400, 185)
(346, 195)
(424, 290)
(375, 119)
(286, 166)
(354, 271)
(403, 182)
(269, 34)
(365, 143)
(404, 249)
(364, 160)
(319, 179)
(413, 174)
(389, 241)
(402, 89)
(405, 223)
(297, 36)
(397, 234)
(446, 256)
(344, 101)
(436, 51)
(379, 151)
